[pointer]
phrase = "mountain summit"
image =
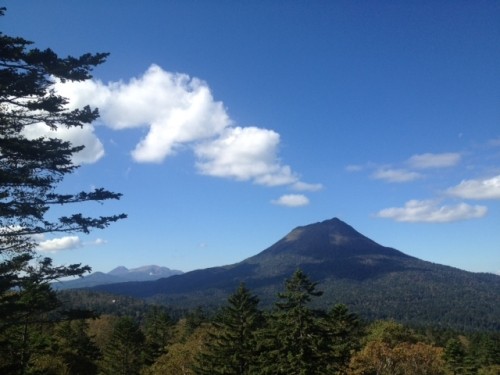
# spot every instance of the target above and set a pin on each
(374, 280)
(329, 248)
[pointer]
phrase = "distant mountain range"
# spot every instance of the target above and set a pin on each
(375, 281)
(118, 275)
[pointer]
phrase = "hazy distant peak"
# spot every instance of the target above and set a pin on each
(120, 270)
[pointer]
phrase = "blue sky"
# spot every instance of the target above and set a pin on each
(226, 124)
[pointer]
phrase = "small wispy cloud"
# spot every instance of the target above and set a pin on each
(292, 200)
(96, 242)
(429, 160)
(477, 189)
(396, 175)
(304, 186)
(431, 211)
(354, 168)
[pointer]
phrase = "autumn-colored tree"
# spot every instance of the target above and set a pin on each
(180, 357)
(392, 349)
(379, 358)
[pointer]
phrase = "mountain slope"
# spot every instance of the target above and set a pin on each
(118, 275)
(373, 280)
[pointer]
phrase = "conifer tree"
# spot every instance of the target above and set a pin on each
(76, 348)
(343, 332)
(31, 170)
(231, 348)
(124, 354)
(158, 329)
(293, 341)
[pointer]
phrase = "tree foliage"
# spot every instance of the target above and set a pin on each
(31, 170)
(293, 340)
(231, 349)
(124, 353)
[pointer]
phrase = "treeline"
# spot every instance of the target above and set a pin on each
(291, 338)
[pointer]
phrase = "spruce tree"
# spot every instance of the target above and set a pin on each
(31, 170)
(76, 348)
(124, 354)
(231, 348)
(293, 341)
(158, 329)
(343, 332)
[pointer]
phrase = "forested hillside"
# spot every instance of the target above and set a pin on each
(242, 338)
(375, 281)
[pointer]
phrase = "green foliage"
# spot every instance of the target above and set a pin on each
(374, 281)
(293, 340)
(158, 330)
(230, 349)
(76, 348)
(342, 336)
(181, 355)
(30, 171)
(124, 353)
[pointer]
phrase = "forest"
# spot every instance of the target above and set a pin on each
(130, 337)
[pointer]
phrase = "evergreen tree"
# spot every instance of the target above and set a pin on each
(459, 357)
(343, 332)
(76, 348)
(158, 329)
(294, 339)
(124, 354)
(230, 350)
(30, 171)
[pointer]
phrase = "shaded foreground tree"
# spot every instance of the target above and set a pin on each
(231, 348)
(158, 330)
(293, 341)
(30, 171)
(342, 335)
(124, 354)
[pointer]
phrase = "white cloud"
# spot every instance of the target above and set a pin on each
(58, 244)
(176, 108)
(292, 200)
(428, 160)
(245, 154)
(93, 151)
(431, 212)
(495, 142)
(395, 175)
(96, 242)
(477, 189)
(304, 186)
(354, 168)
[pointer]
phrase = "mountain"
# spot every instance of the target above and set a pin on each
(118, 275)
(373, 280)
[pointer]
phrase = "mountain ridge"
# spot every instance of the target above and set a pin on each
(374, 280)
(118, 274)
